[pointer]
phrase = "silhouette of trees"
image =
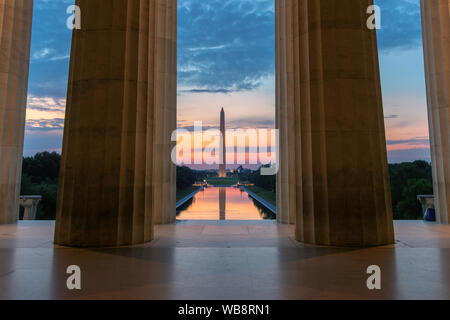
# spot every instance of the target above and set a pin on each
(265, 182)
(408, 180)
(43, 166)
(40, 177)
(185, 177)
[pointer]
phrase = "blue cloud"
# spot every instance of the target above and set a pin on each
(45, 124)
(225, 46)
(206, 91)
(416, 141)
(50, 48)
(401, 24)
(392, 116)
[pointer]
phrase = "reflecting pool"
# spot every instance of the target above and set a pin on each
(223, 203)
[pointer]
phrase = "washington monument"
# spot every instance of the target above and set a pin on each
(223, 154)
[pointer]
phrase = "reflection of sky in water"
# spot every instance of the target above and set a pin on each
(223, 204)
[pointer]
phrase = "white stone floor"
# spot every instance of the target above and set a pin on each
(225, 260)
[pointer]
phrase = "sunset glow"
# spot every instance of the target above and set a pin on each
(232, 65)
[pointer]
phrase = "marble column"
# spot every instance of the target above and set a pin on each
(334, 172)
(436, 43)
(15, 38)
(164, 200)
(286, 197)
(120, 107)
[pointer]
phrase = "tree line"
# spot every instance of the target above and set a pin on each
(266, 182)
(40, 177)
(408, 180)
(185, 177)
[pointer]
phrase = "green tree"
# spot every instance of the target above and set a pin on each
(408, 207)
(40, 177)
(27, 186)
(265, 182)
(185, 177)
(408, 180)
(43, 166)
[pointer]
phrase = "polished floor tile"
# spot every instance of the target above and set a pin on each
(225, 260)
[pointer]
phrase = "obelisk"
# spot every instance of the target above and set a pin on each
(223, 155)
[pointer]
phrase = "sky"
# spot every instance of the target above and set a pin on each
(226, 58)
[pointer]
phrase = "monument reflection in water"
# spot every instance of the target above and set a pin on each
(222, 203)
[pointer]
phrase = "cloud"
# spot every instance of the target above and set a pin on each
(41, 53)
(45, 114)
(192, 128)
(415, 141)
(205, 91)
(401, 24)
(225, 46)
(46, 103)
(228, 46)
(252, 123)
(50, 48)
(392, 116)
(45, 124)
(46, 55)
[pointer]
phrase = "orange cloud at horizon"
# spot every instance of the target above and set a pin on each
(243, 147)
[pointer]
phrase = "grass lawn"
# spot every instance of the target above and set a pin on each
(269, 196)
(222, 181)
(185, 192)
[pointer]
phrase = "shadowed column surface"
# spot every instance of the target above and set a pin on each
(115, 168)
(436, 35)
(334, 172)
(15, 38)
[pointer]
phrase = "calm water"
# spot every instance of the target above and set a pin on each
(223, 204)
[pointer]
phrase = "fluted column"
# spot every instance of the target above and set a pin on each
(165, 116)
(329, 98)
(15, 37)
(436, 41)
(120, 101)
(285, 108)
